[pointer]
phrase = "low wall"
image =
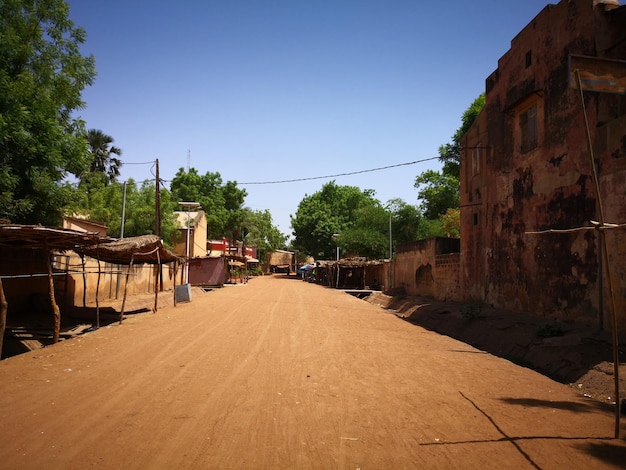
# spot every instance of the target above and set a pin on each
(428, 268)
(112, 279)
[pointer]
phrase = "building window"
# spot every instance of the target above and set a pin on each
(476, 155)
(528, 129)
(475, 219)
(529, 59)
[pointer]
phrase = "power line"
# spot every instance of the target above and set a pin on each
(138, 163)
(340, 174)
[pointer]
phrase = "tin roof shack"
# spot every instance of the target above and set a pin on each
(208, 271)
(430, 268)
(526, 167)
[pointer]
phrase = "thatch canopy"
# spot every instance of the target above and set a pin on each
(280, 258)
(358, 262)
(143, 249)
(39, 237)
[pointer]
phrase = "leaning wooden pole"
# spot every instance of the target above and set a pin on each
(605, 257)
(56, 313)
(4, 306)
(130, 265)
(156, 282)
(98, 291)
(175, 267)
(82, 259)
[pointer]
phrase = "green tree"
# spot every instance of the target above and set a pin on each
(101, 153)
(451, 223)
(222, 203)
(42, 75)
(450, 153)
(408, 224)
(258, 230)
(103, 203)
(331, 211)
(368, 235)
(438, 192)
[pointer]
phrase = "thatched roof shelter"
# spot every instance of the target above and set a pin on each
(143, 249)
(39, 237)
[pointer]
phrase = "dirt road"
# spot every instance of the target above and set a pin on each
(283, 374)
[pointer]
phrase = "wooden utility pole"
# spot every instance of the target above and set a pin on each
(3, 314)
(157, 203)
(157, 228)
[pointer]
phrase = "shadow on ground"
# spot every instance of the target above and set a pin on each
(572, 354)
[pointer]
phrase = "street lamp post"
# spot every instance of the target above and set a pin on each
(189, 206)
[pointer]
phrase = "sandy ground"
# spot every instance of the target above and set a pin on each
(283, 374)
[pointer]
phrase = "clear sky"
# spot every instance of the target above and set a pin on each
(270, 90)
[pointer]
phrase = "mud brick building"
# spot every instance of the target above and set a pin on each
(526, 168)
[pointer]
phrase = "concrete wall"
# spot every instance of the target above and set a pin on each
(509, 191)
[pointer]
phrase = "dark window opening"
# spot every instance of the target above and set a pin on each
(528, 129)
(475, 219)
(529, 59)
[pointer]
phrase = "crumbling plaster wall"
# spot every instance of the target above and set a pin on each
(548, 187)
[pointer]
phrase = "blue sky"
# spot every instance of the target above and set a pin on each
(272, 90)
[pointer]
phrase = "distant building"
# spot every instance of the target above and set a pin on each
(195, 222)
(83, 225)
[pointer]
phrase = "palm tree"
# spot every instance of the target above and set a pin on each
(101, 151)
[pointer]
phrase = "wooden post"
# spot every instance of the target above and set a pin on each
(55, 308)
(82, 259)
(156, 282)
(98, 291)
(174, 279)
(605, 259)
(4, 306)
(130, 265)
(157, 217)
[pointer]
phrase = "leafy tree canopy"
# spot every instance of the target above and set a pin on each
(42, 75)
(103, 155)
(226, 216)
(438, 192)
(103, 203)
(408, 224)
(450, 153)
(258, 230)
(331, 211)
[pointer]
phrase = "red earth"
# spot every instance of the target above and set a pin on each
(279, 373)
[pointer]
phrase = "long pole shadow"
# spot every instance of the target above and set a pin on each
(511, 439)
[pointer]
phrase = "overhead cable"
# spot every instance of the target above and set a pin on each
(295, 180)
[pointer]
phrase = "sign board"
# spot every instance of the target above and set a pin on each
(597, 74)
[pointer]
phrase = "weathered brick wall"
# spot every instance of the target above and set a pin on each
(448, 277)
(419, 270)
(518, 191)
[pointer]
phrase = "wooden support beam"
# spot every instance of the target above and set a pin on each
(4, 306)
(56, 313)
